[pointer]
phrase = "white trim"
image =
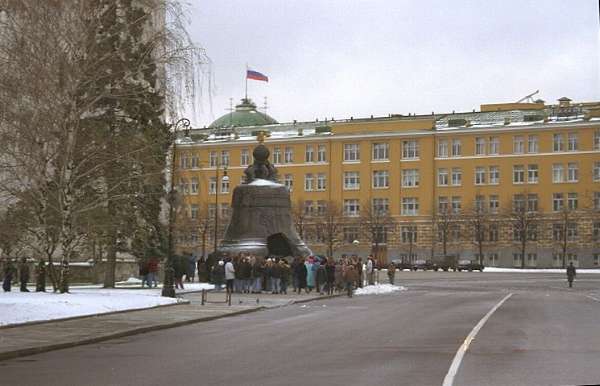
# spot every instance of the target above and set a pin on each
(520, 155)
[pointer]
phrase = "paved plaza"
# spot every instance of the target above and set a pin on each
(536, 331)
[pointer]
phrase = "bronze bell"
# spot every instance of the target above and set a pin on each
(261, 220)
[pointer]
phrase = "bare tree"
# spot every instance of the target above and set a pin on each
(524, 223)
(300, 217)
(375, 224)
(329, 225)
(565, 230)
(444, 220)
(408, 237)
(478, 221)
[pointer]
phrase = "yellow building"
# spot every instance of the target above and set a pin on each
(411, 187)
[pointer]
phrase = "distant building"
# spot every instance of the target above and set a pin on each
(507, 157)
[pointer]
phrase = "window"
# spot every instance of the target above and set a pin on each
(558, 143)
(381, 233)
(532, 174)
(557, 173)
(494, 146)
(225, 157)
(572, 201)
(410, 178)
(308, 208)
(493, 232)
(194, 211)
(288, 181)
(288, 155)
(321, 153)
(409, 234)
(351, 181)
(380, 206)
(518, 174)
(533, 144)
(224, 185)
(596, 258)
(596, 231)
(212, 159)
(321, 181)
(212, 185)
(494, 203)
(351, 152)
(410, 206)
(572, 142)
(442, 177)
(557, 232)
(456, 148)
(456, 176)
(195, 161)
(309, 182)
(597, 200)
(494, 175)
(443, 148)
(351, 233)
(597, 140)
(572, 231)
(492, 259)
(480, 203)
(277, 155)
(518, 203)
(518, 144)
(184, 186)
(456, 204)
(532, 232)
(532, 259)
(442, 204)
(381, 151)
(244, 157)
(479, 146)
(351, 207)
(479, 175)
(321, 208)
(225, 210)
(309, 154)
(212, 210)
(557, 201)
(596, 171)
(410, 149)
(532, 202)
(380, 179)
(194, 185)
(184, 161)
(572, 172)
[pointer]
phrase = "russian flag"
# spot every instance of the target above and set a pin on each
(250, 74)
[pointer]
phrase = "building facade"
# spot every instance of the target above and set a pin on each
(506, 179)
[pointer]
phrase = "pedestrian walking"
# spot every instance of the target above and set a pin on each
(229, 275)
(350, 277)
(144, 272)
(24, 274)
(275, 277)
(321, 277)
(153, 272)
(330, 276)
(257, 275)
(218, 275)
(9, 271)
(179, 269)
(571, 273)
(391, 272)
(370, 270)
(301, 273)
(202, 270)
(285, 275)
(310, 274)
(190, 272)
(40, 281)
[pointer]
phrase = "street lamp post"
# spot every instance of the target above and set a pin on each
(168, 289)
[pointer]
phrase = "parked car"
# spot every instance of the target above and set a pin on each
(424, 265)
(445, 263)
(468, 265)
(402, 265)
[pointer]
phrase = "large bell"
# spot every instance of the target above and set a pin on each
(261, 220)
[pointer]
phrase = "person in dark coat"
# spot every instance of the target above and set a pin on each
(391, 272)
(285, 275)
(202, 270)
(571, 273)
(321, 278)
(9, 271)
(179, 268)
(293, 267)
(40, 282)
(218, 275)
(330, 274)
(301, 272)
(24, 274)
(350, 277)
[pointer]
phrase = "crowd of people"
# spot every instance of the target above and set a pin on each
(247, 273)
(21, 272)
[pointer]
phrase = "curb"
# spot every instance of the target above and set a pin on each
(97, 339)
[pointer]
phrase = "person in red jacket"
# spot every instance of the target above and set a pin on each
(153, 272)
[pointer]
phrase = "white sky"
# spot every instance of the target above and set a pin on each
(342, 58)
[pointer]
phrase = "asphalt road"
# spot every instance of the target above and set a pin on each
(543, 334)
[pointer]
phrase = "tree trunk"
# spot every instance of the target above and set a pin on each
(111, 253)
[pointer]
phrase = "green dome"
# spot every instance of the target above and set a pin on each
(245, 114)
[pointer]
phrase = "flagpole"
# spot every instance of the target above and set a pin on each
(246, 76)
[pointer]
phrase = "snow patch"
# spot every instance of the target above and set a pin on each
(379, 289)
(261, 182)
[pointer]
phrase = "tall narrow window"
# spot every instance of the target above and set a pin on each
(518, 144)
(494, 203)
(557, 201)
(479, 146)
(443, 177)
(479, 175)
(558, 173)
(494, 145)
(277, 155)
(456, 148)
(322, 154)
(225, 157)
(572, 172)
(288, 181)
(212, 159)
(309, 154)
(456, 176)
(597, 140)
(494, 175)
(442, 148)
(558, 142)
(533, 144)
(381, 152)
(456, 204)
(572, 142)
(532, 174)
(309, 182)
(518, 174)
(596, 173)
(321, 181)
(244, 157)
(289, 155)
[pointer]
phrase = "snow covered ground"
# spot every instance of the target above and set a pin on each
(378, 289)
(20, 307)
(538, 270)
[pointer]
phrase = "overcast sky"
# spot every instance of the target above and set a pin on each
(343, 58)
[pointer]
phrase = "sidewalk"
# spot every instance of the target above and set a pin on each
(37, 338)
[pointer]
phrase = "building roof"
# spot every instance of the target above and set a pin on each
(245, 114)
